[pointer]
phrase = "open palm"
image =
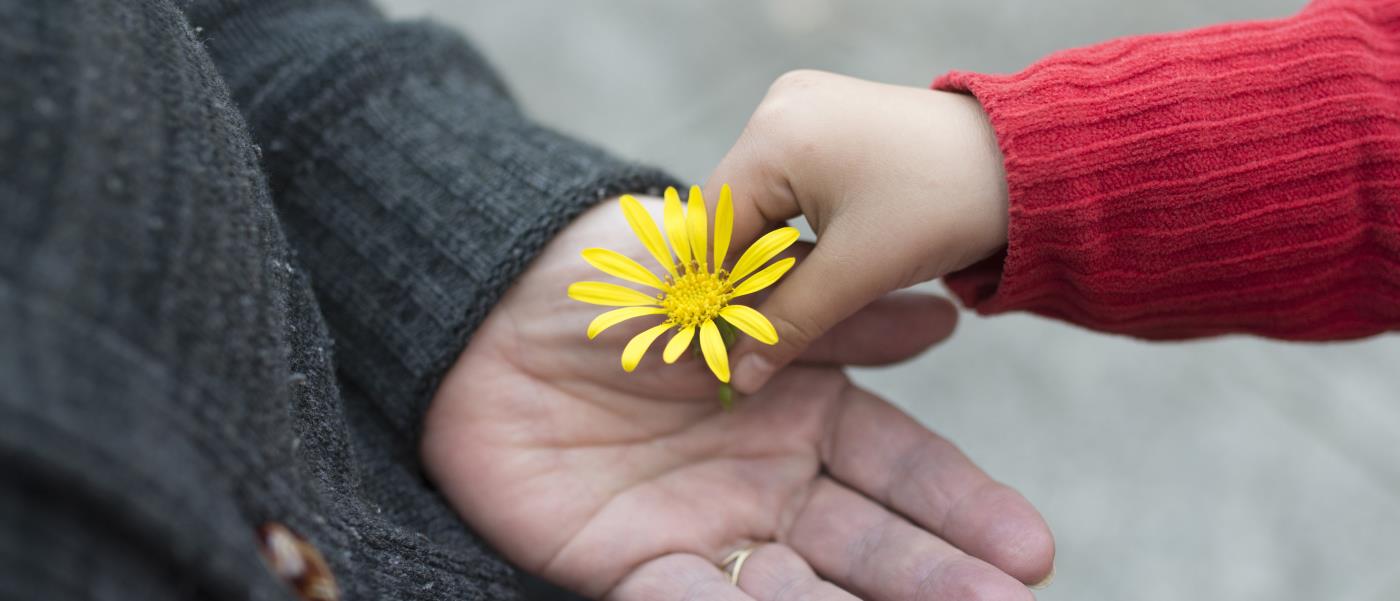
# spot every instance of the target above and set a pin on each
(634, 486)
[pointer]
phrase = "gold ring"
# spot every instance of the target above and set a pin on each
(735, 562)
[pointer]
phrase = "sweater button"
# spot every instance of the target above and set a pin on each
(297, 563)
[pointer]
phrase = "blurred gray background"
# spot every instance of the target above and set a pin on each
(1227, 469)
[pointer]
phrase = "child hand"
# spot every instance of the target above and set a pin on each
(901, 184)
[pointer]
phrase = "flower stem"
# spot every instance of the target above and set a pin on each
(726, 396)
(730, 334)
(727, 331)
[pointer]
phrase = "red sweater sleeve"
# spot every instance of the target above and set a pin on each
(1240, 178)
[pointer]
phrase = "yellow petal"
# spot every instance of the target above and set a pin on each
(765, 278)
(716, 356)
(764, 249)
(632, 354)
(611, 295)
(724, 225)
(696, 220)
(646, 231)
(678, 344)
(674, 216)
(616, 264)
(750, 322)
(617, 316)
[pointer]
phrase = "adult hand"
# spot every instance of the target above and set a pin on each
(901, 184)
(634, 486)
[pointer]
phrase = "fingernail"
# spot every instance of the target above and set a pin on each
(751, 372)
(1045, 582)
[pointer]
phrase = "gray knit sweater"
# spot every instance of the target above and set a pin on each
(240, 242)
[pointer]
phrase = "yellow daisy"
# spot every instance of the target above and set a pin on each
(694, 292)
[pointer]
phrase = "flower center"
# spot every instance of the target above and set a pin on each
(696, 297)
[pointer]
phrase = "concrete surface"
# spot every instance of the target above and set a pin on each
(1220, 470)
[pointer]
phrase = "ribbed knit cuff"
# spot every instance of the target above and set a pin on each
(1204, 182)
(410, 185)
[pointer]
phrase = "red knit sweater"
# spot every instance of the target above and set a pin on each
(1240, 178)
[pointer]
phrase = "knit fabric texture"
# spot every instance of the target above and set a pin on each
(1239, 178)
(241, 242)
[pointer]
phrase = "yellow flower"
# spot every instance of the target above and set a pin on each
(694, 292)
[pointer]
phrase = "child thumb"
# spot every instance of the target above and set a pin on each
(822, 291)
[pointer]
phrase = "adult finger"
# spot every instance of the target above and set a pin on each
(677, 576)
(880, 451)
(774, 572)
(880, 556)
(891, 329)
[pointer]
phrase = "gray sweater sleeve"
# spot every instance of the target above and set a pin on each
(409, 183)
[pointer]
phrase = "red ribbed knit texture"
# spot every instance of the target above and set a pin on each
(1240, 178)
